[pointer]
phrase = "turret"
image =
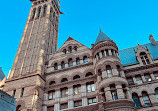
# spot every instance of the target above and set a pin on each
(112, 85)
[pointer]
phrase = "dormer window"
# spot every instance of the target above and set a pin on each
(144, 58)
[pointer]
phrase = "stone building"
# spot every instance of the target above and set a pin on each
(78, 78)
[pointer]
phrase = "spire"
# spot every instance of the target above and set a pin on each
(101, 37)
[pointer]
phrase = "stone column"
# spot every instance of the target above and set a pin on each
(108, 94)
(84, 94)
(99, 78)
(104, 74)
(141, 100)
(59, 67)
(81, 61)
(109, 52)
(114, 72)
(152, 76)
(152, 98)
(122, 74)
(70, 97)
(134, 80)
(66, 65)
(143, 78)
(120, 92)
(100, 54)
(74, 63)
(105, 53)
(128, 94)
(57, 100)
(46, 96)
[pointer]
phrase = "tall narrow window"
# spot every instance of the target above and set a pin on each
(70, 62)
(100, 73)
(64, 92)
(44, 10)
(70, 49)
(64, 51)
(144, 58)
(62, 65)
(75, 48)
(139, 80)
(55, 66)
(39, 11)
(22, 92)
(107, 52)
(85, 59)
(78, 61)
(112, 52)
(109, 71)
(136, 100)
(124, 90)
(156, 93)
(90, 87)
(118, 70)
(113, 92)
(103, 54)
(14, 93)
(33, 13)
(146, 99)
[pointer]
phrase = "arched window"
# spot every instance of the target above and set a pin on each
(103, 54)
(85, 59)
(64, 80)
(146, 99)
(112, 51)
(33, 13)
(44, 10)
(64, 51)
(118, 70)
(156, 93)
(89, 74)
(144, 58)
(18, 108)
(107, 52)
(70, 49)
(130, 81)
(109, 71)
(62, 65)
(55, 66)
(100, 73)
(113, 92)
(52, 82)
(147, 77)
(78, 61)
(76, 77)
(70, 62)
(75, 48)
(39, 11)
(136, 100)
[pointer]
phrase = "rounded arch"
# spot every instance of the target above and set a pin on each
(64, 80)
(52, 82)
(76, 77)
(89, 74)
(88, 70)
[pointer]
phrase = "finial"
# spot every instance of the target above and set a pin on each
(137, 43)
(100, 29)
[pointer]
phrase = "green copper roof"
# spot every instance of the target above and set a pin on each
(101, 37)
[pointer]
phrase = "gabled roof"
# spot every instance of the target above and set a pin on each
(101, 37)
(128, 57)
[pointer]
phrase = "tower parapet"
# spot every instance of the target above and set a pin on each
(112, 85)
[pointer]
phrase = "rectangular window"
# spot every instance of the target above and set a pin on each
(92, 100)
(139, 80)
(90, 87)
(130, 81)
(156, 75)
(114, 95)
(22, 92)
(64, 106)
(147, 77)
(50, 108)
(77, 89)
(51, 95)
(78, 103)
(64, 92)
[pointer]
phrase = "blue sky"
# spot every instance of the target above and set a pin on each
(125, 21)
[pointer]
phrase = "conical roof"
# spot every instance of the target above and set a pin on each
(101, 37)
